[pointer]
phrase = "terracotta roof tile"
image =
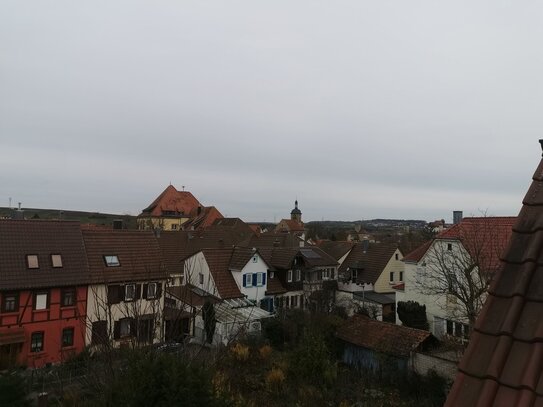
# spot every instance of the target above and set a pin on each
(416, 255)
(382, 337)
(218, 261)
(335, 249)
(138, 253)
(172, 200)
(370, 260)
(19, 238)
(503, 364)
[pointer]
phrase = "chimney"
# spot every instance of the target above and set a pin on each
(117, 224)
(365, 245)
(457, 217)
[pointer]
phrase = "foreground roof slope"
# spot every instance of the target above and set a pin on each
(384, 337)
(19, 238)
(503, 363)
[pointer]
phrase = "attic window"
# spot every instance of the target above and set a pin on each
(32, 261)
(449, 246)
(396, 256)
(56, 260)
(112, 261)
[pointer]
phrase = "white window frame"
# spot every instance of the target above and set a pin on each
(32, 261)
(112, 260)
(249, 280)
(289, 276)
(124, 328)
(152, 290)
(298, 274)
(201, 278)
(41, 301)
(259, 279)
(126, 296)
(56, 260)
(255, 259)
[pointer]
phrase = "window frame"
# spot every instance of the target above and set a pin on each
(297, 275)
(249, 280)
(37, 338)
(155, 292)
(28, 262)
(126, 287)
(125, 322)
(201, 278)
(391, 277)
(7, 295)
(108, 260)
(63, 296)
(67, 333)
(59, 264)
(259, 279)
(35, 302)
(289, 276)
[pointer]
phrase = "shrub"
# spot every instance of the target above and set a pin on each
(275, 379)
(265, 352)
(240, 352)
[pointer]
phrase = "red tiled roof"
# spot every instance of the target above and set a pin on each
(383, 337)
(19, 238)
(416, 255)
(503, 364)
(289, 225)
(138, 253)
(218, 261)
(207, 217)
(172, 200)
(370, 261)
(484, 238)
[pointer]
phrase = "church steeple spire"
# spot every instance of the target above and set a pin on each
(296, 214)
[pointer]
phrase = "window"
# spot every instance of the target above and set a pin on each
(32, 261)
(99, 332)
(145, 330)
(56, 260)
(449, 246)
(298, 275)
(248, 280)
(259, 280)
(112, 261)
(449, 327)
(354, 274)
(289, 276)
(326, 274)
(40, 301)
(10, 302)
(174, 226)
(391, 276)
(466, 331)
(67, 337)
(36, 342)
(125, 327)
(151, 290)
(287, 302)
(129, 292)
(396, 256)
(68, 297)
(294, 301)
(255, 259)
(401, 275)
(457, 329)
(272, 274)
(201, 278)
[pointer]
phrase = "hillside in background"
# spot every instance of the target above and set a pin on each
(95, 218)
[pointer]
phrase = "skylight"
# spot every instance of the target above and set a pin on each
(112, 261)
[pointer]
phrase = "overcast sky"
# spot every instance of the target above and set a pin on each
(360, 109)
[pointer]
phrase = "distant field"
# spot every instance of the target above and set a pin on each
(95, 218)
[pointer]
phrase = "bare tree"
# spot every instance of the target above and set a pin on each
(460, 263)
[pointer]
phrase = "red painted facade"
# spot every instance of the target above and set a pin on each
(52, 334)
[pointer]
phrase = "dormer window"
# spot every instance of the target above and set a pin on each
(130, 292)
(56, 260)
(112, 261)
(32, 261)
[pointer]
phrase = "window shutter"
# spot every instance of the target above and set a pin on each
(244, 280)
(254, 279)
(263, 278)
(113, 294)
(133, 327)
(138, 292)
(158, 290)
(122, 293)
(144, 294)
(117, 330)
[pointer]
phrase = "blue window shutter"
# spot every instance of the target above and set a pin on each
(263, 278)
(254, 279)
(244, 278)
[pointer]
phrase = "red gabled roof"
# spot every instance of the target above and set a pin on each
(172, 200)
(218, 261)
(416, 255)
(19, 238)
(383, 337)
(485, 238)
(503, 364)
(370, 260)
(289, 225)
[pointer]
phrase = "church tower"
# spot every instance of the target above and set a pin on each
(296, 214)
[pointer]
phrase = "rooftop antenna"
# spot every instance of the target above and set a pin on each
(10, 203)
(182, 187)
